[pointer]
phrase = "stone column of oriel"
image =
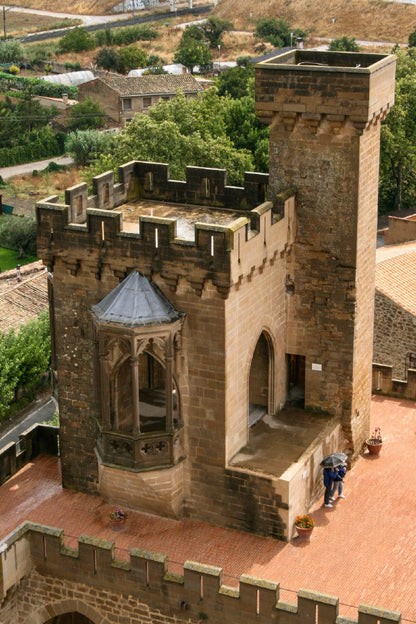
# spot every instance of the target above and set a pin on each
(325, 111)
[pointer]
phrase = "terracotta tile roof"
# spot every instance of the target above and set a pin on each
(396, 274)
(152, 84)
(20, 302)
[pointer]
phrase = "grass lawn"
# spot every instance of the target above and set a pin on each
(9, 259)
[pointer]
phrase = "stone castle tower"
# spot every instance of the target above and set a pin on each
(185, 312)
(324, 111)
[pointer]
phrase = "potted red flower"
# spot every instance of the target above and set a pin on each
(375, 442)
(304, 526)
(118, 519)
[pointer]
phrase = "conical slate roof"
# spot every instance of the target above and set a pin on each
(134, 302)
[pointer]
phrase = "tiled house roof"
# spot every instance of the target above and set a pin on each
(131, 86)
(396, 274)
(20, 302)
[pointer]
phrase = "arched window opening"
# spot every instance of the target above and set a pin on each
(152, 384)
(259, 382)
(123, 413)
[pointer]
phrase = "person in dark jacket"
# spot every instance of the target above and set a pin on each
(329, 475)
(339, 482)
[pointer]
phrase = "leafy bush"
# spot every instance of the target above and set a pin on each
(36, 85)
(124, 36)
(77, 39)
(213, 29)
(73, 66)
(86, 145)
(131, 57)
(24, 359)
(344, 44)
(33, 145)
(107, 58)
(11, 51)
(13, 69)
(39, 52)
(277, 32)
(87, 114)
(18, 233)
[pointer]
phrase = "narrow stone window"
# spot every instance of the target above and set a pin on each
(78, 205)
(148, 181)
(205, 192)
(106, 193)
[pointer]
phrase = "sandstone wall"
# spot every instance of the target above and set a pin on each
(53, 580)
(394, 335)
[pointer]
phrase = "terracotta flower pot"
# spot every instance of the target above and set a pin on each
(304, 533)
(374, 448)
(117, 524)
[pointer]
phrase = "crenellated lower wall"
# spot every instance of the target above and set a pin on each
(41, 579)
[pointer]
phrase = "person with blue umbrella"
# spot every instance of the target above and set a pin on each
(331, 464)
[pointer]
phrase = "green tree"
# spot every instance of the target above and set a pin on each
(181, 133)
(18, 233)
(235, 81)
(277, 32)
(412, 39)
(107, 58)
(193, 50)
(87, 114)
(86, 145)
(398, 140)
(11, 51)
(344, 44)
(214, 28)
(131, 57)
(77, 39)
(24, 358)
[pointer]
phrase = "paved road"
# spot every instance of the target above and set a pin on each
(8, 172)
(87, 20)
(40, 414)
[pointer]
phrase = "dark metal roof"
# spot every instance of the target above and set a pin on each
(135, 302)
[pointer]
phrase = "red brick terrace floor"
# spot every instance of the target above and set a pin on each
(363, 550)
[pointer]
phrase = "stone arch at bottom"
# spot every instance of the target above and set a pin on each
(67, 612)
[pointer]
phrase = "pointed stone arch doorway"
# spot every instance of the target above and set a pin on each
(70, 618)
(261, 379)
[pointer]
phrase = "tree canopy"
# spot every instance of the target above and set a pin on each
(180, 132)
(193, 49)
(87, 114)
(24, 357)
(214, 27)
(398, 140)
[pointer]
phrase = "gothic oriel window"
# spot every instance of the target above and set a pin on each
(137, 329)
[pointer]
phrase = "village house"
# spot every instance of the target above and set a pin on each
(124, 96)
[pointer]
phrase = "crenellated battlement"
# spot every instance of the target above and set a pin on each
(181, 228)
(145, 576)
(139, 180)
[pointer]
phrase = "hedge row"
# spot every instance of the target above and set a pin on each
(33, 145)
(36, 86)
